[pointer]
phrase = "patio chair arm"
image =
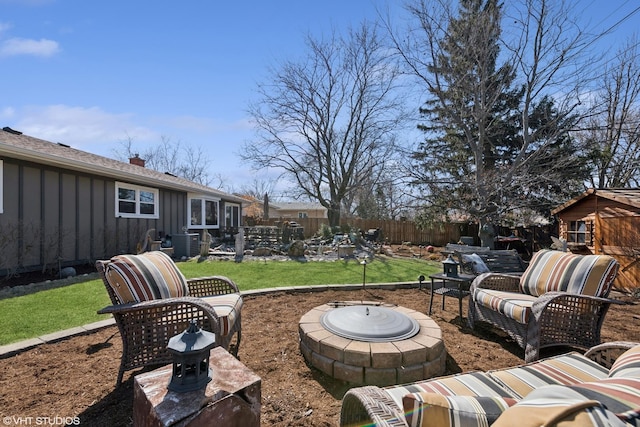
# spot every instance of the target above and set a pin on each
(370, 405)
(211, 286)
(172, 308)
(606, 354)
(497, 282)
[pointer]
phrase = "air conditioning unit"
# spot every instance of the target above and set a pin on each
(185, 245)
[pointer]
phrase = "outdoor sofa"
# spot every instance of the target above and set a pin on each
(560, 300)
(152, 302)
(600, 387)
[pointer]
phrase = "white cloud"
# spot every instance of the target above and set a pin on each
(90, 129)
(20, 46)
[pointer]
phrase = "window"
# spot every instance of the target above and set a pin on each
(580, 232)
(133, 201)
(302, 215)
(203, 212)
(231, 216)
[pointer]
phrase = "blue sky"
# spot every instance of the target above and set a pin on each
(93, 73)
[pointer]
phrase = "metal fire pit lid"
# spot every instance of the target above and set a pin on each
(369, 323)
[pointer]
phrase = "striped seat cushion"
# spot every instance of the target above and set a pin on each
(510, 304)
(144, 277)
(560, 406)
(627, 364)
(468, 384)
(569, 368)
(228, 308)
(551, 271)
(435, 410)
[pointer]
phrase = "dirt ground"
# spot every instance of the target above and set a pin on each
(75, 379)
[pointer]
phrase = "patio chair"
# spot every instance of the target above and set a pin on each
(560, 300)
(152, 302)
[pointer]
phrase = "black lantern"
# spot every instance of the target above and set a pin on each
(191, 350)
(450, 267)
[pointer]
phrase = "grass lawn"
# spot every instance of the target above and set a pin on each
(48, 311)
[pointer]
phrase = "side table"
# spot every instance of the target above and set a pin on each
(457, 286)
(231, 398)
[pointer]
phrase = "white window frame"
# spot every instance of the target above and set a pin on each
(303, 215)
(204, 199)
(138, 189)
(229, 207)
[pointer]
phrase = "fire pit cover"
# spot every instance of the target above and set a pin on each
(369, 323)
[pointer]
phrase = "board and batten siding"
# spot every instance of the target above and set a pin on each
(55, 217)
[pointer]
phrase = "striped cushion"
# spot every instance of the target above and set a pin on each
(558, 406)
(570, 368)
(510, 304)
(144, 277)
(228, 308)
(619, 395)
(435, 410)
(627, 364)
(468, 384)
(561, 271)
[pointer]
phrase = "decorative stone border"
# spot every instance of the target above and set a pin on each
(384, 363)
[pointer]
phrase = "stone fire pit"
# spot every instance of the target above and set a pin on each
(368, 342)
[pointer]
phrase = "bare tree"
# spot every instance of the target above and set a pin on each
(613, 132)
(173, 157)
(328, 119)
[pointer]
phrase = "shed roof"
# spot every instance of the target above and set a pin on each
(627, 196)
(16, 145)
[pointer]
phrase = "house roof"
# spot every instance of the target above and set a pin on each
(16, 145)
(627, 196)
(297, 206)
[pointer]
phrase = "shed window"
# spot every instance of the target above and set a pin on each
(133, 201)
(203, 213)
(580, 232)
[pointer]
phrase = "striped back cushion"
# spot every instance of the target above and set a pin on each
(144, 277)
(565, 369)
(551, 271)
(627, 364)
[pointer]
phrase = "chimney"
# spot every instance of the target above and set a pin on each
(136, 160)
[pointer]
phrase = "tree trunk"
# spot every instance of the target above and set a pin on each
(487, 235)
(333, 214)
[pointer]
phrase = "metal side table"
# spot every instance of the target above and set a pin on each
(457, 286)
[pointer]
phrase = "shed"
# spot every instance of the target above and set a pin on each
(605, 221)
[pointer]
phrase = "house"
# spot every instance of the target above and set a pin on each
(60, 206)
(605, 221)
(294, 210)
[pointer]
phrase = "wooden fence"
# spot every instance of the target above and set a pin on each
(393, 232)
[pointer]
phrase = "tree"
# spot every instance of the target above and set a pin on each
(491, 125)
(613, 132)
(172, 157)
(329, 119)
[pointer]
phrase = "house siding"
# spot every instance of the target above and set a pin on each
(56, 216)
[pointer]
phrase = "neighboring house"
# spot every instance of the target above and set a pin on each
(287, 210)
(60, 206)
(605, 221)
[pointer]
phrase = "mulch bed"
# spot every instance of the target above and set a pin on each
(76, 377)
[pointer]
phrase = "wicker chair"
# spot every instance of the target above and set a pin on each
(146, 326)
(560, 300)
(384, 406)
